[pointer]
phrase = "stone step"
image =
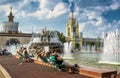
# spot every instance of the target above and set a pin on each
(88, 71)
(96, 72)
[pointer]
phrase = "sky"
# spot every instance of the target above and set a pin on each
(94, 16)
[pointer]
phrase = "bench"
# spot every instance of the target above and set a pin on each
(43, 63)
(68, 68)
(87, 71)
(96, 72)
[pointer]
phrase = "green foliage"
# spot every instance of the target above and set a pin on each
(61, 37)
(90, 43)
(77, 45)
(98, 44)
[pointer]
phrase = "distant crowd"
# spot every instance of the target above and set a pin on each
(4, 51)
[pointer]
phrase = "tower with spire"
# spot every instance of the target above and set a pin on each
(72, 31)
(10, 26)
(10, 17)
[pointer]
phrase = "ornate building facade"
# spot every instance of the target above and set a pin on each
(73, 35)
(10, 26)
(10, 34)
(72, 31)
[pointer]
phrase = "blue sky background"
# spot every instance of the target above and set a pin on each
(93, 16)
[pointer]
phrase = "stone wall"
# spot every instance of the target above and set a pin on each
(23, 38)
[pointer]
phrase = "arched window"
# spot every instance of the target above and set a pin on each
(68, 31)
(12, 41)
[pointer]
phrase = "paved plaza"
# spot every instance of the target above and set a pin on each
(32, 70)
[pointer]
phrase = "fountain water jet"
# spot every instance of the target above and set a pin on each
(88, 48)
(67, 50)
(111, 51)
(12, 49)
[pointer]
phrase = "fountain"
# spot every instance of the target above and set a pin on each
(46, 48)
(88, 48)
(12, 49)
(67, 50)
(55, 39)
(111, 51)
(46, 38)
(35, 38)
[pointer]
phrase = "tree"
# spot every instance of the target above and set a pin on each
(51, 34)
(61, 37)
(91, 43)
(77, 45)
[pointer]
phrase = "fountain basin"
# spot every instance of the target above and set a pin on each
(106, 62)
(96, 72)
(87, 71)
(68, 58)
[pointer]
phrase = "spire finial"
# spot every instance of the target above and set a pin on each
(11, 9)
(10, 17)
(72, 15)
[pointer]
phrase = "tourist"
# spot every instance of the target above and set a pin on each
(46, 56)
(4, 51)
(20, 55)
(43, 55)
(61, 65)
(26, 55)
(39, 54)
(56, 60)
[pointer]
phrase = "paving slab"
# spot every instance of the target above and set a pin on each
(1, 74)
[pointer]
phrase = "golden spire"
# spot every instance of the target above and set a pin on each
(10, 9)
(72, 15)
(10, 17)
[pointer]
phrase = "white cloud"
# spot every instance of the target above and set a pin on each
(115, 24)
(23, 3)
(90, 21)
(47, 13)
(91, 15)
(102, 28)
(60, 9)
(21, 14)
(81, 26)
(42, 14)
(115, 6)
(5, 8)
(99, 21)
(44, 11)
(43, 4)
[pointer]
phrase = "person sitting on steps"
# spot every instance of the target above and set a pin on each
(20, 55)
(56, 60)
(61, 65)
(25, 55)
(43, 56)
